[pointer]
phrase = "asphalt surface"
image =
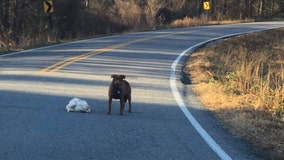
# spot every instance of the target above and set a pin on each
(36, 85)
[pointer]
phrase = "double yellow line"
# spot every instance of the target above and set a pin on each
(59, 65)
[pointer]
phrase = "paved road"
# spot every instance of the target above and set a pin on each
(36, 85)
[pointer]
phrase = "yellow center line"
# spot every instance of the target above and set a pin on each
(59, 65)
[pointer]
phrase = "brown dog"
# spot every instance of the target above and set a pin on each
(119, 89)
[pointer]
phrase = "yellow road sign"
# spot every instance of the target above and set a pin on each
(206, 5)
(48, 6)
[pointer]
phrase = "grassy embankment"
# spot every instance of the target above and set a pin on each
(241, 80)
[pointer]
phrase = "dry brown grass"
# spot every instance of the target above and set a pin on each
(203, 20)
(190, 22)
(230, 21)
(242, 80)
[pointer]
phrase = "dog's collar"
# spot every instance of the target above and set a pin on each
(118, 87)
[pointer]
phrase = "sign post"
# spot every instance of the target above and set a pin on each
(206, 5)
(48, 6)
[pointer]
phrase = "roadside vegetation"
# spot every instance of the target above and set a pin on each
(241, 79)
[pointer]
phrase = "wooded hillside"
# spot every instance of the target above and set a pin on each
(25, 23)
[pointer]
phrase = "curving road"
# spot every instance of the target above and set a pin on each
(167, 122)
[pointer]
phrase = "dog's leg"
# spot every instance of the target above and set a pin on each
(121, 106)
(129, 104)
(109, 105)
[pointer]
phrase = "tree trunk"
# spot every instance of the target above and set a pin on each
(260, 8)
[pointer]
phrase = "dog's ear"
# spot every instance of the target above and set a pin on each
(123, 76)
(113, 76)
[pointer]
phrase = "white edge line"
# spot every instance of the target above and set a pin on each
(61, 44)
(35, 49)
(206, 137)
(55, 45)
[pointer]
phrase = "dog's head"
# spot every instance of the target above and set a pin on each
(117, 80)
